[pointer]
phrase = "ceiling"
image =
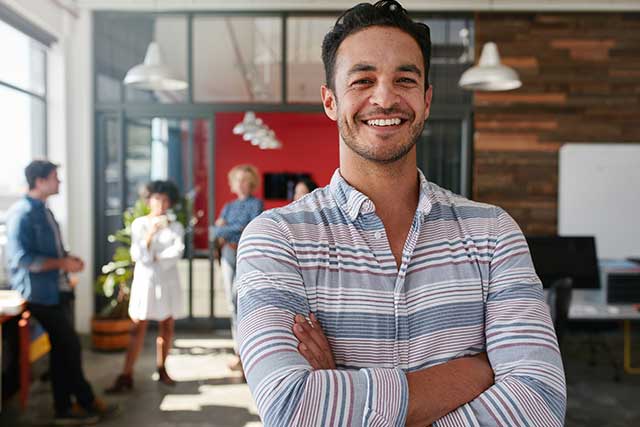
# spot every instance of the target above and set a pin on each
(412, 5)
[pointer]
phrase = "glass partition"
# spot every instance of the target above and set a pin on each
(121, 42)
(305, 72)
(237, 59)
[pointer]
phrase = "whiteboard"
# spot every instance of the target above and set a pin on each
(599, 195)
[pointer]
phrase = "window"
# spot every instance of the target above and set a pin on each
(305, 73)
(121, 42)
(243, 64)
(22, 109)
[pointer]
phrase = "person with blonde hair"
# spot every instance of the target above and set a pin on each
(235, 215)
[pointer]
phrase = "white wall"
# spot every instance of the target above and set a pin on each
(70, 131)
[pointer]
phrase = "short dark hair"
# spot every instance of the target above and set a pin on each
(384, 13)
(38, 169)
(168, 188)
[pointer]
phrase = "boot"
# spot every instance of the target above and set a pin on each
(124, 382)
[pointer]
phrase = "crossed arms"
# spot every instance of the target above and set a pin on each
(433, 392)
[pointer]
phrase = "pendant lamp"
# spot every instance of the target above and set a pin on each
(153, 74)
(490, 74)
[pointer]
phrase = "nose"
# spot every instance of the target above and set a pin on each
(384, 95)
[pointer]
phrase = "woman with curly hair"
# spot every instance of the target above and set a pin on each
(157, 243)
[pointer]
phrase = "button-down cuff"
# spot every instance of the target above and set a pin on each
(387, 397)
(461, 417)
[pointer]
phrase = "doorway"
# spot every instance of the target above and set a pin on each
(135, 148)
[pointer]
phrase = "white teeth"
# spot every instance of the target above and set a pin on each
(384, 122)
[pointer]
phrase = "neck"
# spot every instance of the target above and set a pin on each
(392, 187)
(37, 194)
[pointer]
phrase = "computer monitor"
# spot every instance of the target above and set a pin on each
(556, 257)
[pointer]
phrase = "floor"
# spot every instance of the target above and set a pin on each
(209, 395)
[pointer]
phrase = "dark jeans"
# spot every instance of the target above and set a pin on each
(67, 378)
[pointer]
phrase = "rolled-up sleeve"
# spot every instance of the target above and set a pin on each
(20, 237)
(529, 387)
(286, 389)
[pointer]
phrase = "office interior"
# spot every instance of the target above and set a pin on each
(560, 153)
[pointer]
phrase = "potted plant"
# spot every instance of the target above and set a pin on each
(110, 328)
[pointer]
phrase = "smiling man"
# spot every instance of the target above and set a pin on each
(423, 307)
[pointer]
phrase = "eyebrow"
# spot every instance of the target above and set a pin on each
(362, 67)
(410, 68)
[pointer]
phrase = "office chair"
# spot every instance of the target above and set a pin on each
(559, 300)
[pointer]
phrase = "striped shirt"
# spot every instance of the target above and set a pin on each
(466, 284)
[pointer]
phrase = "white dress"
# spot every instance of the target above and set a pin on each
(155, 291)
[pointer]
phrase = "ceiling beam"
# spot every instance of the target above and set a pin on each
(337, 5)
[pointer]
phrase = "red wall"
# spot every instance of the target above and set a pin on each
(310, 145)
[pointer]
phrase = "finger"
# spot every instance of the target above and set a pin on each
(303, 336)
(322, 340)
(301, 331)
(319, 344)
(309, 356)
(318, 334)
(316, 325)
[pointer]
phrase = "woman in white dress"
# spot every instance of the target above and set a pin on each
(156, 246)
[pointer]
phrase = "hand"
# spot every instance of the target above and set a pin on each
(156, 225)
(159, 222)
(73, 281)
(72, 264)
(220, 222)
(314, 345)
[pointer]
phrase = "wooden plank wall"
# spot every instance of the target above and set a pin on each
(581, 83)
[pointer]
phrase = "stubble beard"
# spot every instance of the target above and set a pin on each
(350, 138)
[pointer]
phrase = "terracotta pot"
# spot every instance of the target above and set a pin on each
(110, 334)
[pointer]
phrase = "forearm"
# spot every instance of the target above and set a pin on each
(289, 393)
(228, 231)
(436, 391)
(46, 264)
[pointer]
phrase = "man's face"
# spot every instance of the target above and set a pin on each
(49, 185)
(379, 100)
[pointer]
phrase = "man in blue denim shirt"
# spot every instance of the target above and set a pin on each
(38, 268)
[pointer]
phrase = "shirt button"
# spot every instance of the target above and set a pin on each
(377, 235)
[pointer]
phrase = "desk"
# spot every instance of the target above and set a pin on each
(24, 342)
(589, 304)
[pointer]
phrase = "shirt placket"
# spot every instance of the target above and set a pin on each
(377, 234)
(400, 294)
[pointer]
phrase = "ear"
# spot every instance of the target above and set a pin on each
(427, 101)
(329, 103)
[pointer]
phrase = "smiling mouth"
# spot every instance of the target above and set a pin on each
(396, 121)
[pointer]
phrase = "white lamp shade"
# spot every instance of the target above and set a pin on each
(153, 74)
(248, 123)
(490, 74)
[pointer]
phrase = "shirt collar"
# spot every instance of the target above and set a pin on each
(354, 203)
(34, 202)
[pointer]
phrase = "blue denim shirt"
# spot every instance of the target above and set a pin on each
(30, 241)
(237, 215)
